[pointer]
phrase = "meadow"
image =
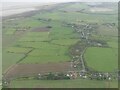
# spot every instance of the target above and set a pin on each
(101, 59)
(79, 83)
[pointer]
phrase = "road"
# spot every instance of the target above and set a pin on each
(82, 60)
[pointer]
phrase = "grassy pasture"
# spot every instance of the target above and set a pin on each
(18, 50)
(59, 29)
(36, 36)
(10, 59)
(113, 44)
(40, 45)
(45, 59)
(79, 83)
(65, 41)
(30, 22)
(101, 59)
(10, 31)
(47, 52)
(34, 39)
(107, 31)
(73, 16)
(61, 32)
(56, 36)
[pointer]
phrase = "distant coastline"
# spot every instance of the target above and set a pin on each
(9, 9)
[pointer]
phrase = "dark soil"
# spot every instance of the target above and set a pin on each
(21, 70)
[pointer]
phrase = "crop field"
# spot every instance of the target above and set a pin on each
(23, 70)
(79, 40)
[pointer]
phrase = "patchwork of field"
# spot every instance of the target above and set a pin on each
(43, 47)
(41, 43)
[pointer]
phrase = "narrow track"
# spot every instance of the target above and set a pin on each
(82, 60)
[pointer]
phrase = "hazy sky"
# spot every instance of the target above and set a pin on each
(59, 0)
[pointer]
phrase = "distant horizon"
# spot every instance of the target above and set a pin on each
(48, 1)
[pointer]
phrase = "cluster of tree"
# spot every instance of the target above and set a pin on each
(48, 26)
(80, 46)
(111, 24)
(94, 42)
(44, 19)
(52, 76)
(99, 77)
(80, 10)
(5, 83)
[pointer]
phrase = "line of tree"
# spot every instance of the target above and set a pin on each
(52, 76)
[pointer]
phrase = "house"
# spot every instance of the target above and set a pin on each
(99, 44)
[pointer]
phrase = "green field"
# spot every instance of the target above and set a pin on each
(65, 41)
(47, 46)
(10, 59)
(10, 31)
(113, 44)
(18, 50)
(45, 59)
(79, 83)
(0, 68)
(101, 59)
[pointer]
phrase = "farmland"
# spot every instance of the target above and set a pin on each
(74, 40)
(61, 83)
(101, 56)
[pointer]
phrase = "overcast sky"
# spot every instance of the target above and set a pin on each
(44, 1)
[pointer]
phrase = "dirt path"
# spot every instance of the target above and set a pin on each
(82, 60)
